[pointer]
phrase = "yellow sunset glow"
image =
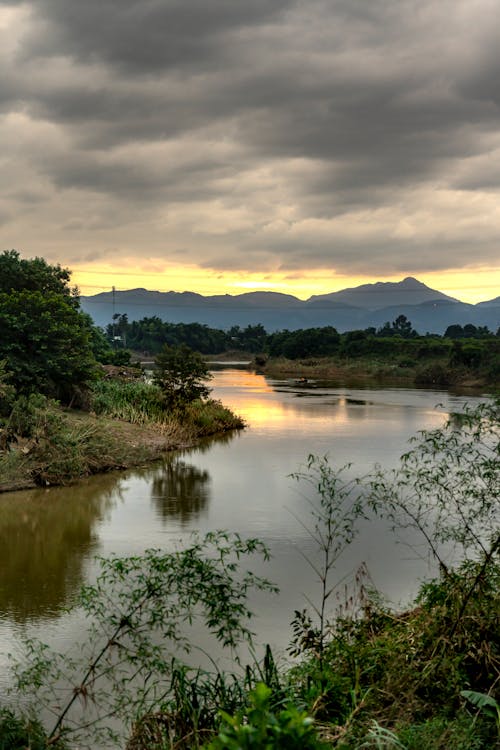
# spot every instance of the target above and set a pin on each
(468, 285)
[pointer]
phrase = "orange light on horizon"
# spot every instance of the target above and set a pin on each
(468, 286)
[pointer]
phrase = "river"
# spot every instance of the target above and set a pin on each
(49, 538)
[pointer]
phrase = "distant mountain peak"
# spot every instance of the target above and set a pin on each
(409, 291)
(369, 305)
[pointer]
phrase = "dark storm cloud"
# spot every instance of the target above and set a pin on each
(147, 36)
(278, 114)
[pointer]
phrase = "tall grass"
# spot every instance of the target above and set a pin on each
(51, 446)
(142, 403)
(135, 401)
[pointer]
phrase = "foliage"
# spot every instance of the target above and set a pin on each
(53, 449)
(133, 401)
(191, 711)
(400, 327)
(181, 375)
(485, 703)
(249, 339)
(393, 343)
(408, 669)
(17, 733)
(142, 403)
(103, 351)
(210, 417)
(437, 374)
(334, 528)
(380, 738)
(468, 331)
(139, 611)
(304, 342)
(260, 727)
(34, 275)
(447, 486)
(7, 392)
(151, 334)
(45, 341)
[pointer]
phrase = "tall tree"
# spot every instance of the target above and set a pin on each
(45, 338)
(181, 374)
(35, 275)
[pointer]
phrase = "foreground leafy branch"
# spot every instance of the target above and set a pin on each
(447, 486)
(140, 610)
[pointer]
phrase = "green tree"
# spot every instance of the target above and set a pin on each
(400, 327)
(35, 275)
(182, 375)
(45, 342)
(454, 331)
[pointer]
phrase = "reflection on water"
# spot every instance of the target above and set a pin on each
(240, 481)
(45, 537)
(180, 490)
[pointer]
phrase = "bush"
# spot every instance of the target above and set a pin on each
(260, 727)
(22, 734)
(436, 374)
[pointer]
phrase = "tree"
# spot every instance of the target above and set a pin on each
(400, 327)
(454, 331)
(45, 337)
(45, 342)
(35, 275)
(181, 374)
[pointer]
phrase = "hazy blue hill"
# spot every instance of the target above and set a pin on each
(434, 316)
(490, 303)
(360, 307)
(409, 291)
(250, 300)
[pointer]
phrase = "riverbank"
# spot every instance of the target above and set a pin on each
(369, 371)
(63, 445)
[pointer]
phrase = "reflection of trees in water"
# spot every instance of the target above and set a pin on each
(45, 538)
(208, 442)
(180, 490)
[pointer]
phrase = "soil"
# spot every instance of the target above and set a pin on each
(129, 446)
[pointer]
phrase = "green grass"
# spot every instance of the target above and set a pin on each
(135, 401)
(406, 670)
(52, 446)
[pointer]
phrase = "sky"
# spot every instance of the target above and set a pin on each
(220, 146)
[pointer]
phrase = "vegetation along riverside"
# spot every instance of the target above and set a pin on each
(359, 674)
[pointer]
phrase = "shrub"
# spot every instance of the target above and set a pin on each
(260, 727)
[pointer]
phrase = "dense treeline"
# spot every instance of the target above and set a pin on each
(466, 346)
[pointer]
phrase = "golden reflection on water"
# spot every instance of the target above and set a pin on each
(45, 538)
(271, 403)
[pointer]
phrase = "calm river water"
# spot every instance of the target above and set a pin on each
(49, 538)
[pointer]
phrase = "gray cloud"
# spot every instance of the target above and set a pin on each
(256, 135)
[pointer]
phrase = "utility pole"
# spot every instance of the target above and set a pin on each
(114, 322)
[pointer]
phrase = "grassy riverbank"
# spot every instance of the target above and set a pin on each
(370, 370)
(123, 426)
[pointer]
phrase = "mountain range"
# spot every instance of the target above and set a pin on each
(360, 307)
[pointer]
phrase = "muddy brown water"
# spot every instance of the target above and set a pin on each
(49, 538)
